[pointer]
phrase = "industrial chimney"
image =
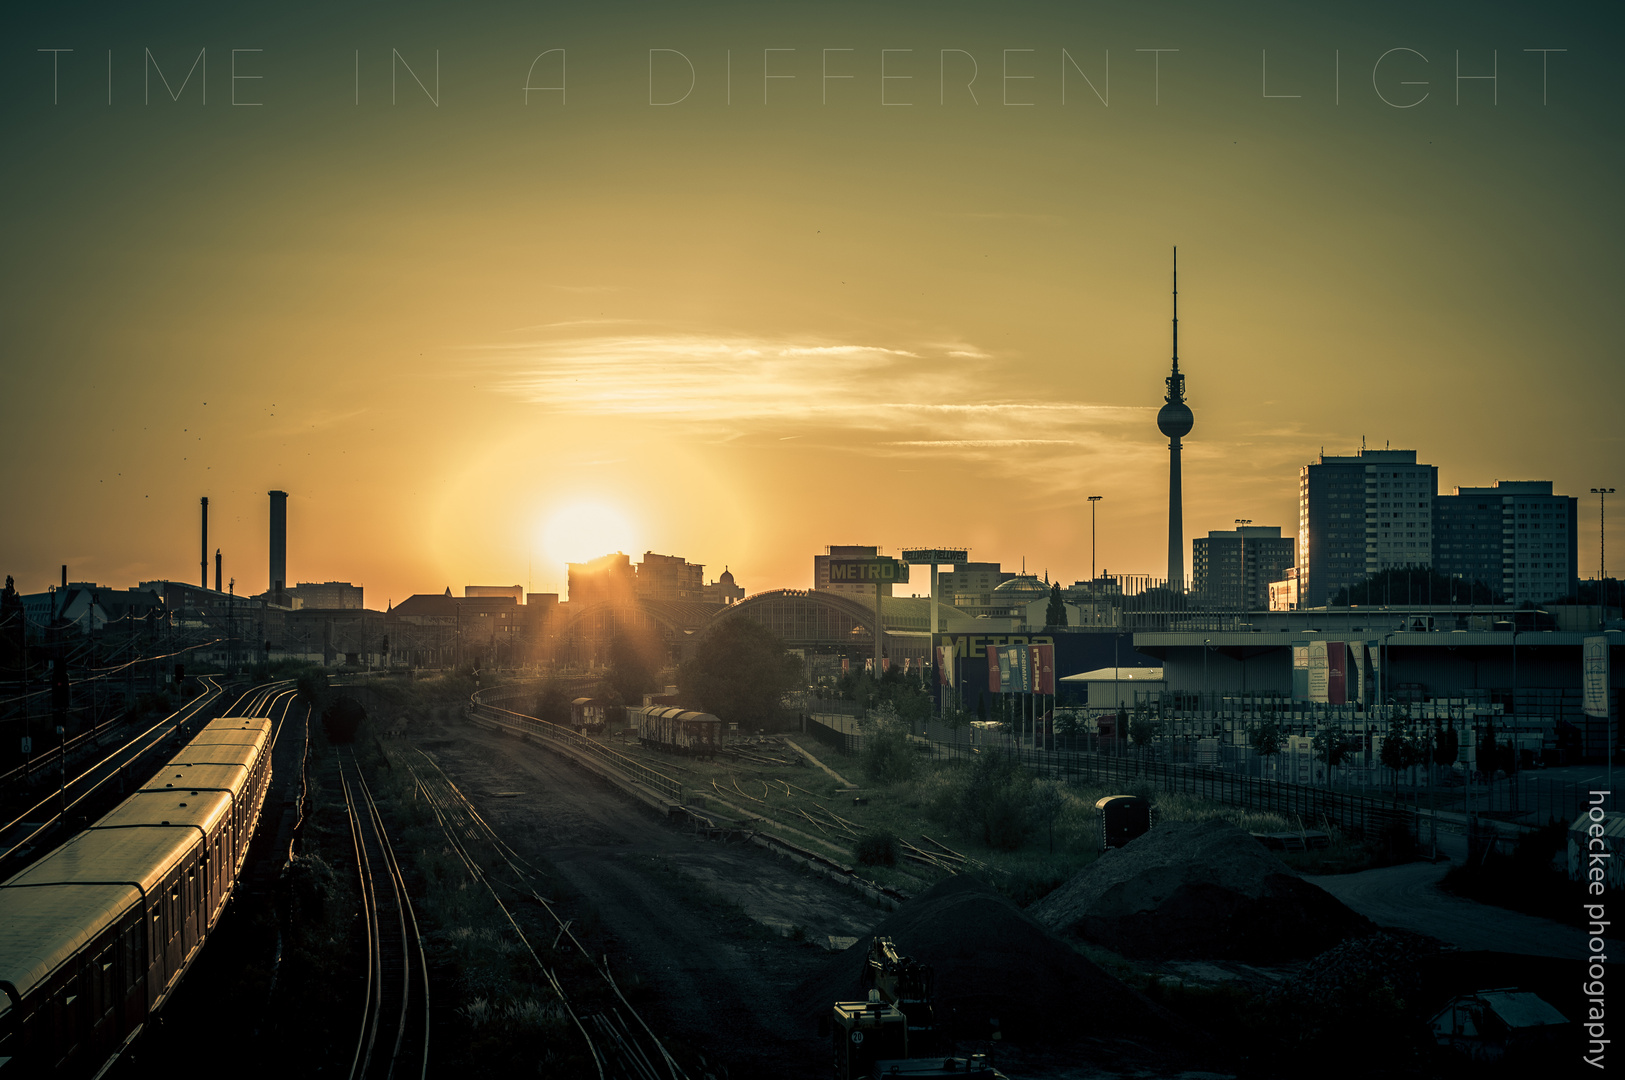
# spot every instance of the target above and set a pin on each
(279, 544)
(216, 569)
(204, 562)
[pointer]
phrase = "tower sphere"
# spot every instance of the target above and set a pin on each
(1175, 420)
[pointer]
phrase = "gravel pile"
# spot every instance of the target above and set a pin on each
(991, 960)
(1359, 966)
(1188, 890)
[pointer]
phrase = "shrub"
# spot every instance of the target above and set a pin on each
(997, 802)
(887, 756)
(876, 849)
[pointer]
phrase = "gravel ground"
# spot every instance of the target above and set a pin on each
(721, 979)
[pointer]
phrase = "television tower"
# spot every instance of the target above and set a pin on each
(1174, 420)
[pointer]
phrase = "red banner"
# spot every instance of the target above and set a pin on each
(994, 686)
(1042, 659)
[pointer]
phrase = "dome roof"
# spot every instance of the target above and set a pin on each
(1022, 587)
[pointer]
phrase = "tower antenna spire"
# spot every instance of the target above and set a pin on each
(1174, 420)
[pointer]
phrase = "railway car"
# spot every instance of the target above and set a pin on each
(95, 936)
(677, 731)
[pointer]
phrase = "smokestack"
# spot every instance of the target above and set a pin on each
(216, 569)
(64, 575)
(204, 584)
(279, 542)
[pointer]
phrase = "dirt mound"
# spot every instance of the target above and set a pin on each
(992, 961)
(1198, 890)
(1389, 961)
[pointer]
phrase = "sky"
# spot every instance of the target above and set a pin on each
(765, 277)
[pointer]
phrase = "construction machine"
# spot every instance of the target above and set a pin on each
(894, 1032)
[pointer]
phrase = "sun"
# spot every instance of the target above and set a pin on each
(581, 531)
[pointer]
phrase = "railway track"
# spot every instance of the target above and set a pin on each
(393, 1040)
(27, 832)
(619, 1042)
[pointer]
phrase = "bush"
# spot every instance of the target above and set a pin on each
(997, 802)
(887, 756)
(876, 849)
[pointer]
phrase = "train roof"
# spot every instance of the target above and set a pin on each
(217, 754)
(240, 723)
(233, 732)
(42, 927)
(179, 806)
(141, 856)
(199, 776)
(686, 715)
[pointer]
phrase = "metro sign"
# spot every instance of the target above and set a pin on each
(880, 571)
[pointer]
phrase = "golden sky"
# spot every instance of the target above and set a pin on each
(928, 310)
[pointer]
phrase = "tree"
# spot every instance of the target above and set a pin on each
(1055, 613)
(553, 705)
(631, 671)
(1265, 738)
(1402, 749)
(1143, 728)
(1330, 746)
(1048, 801)
(739, 672)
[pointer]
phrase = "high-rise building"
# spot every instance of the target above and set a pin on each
(668, 577)
(1360, 514)
(1233, 568)
(606, 578)
(1515, 536)
(1175, 420)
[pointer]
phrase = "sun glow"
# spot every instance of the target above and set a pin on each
(585, 530)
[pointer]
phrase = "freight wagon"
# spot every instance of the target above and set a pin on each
(676, 731)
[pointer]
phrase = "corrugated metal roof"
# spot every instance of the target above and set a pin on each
(1613, 824)
(43, 927)
(1521, 1009)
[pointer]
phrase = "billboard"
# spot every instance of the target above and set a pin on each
(878, 571)
(935, 555)
(1594, 676)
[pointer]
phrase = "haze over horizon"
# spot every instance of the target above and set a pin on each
(447, 314)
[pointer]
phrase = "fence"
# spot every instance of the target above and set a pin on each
(530, 725)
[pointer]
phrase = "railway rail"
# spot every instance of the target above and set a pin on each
(394, 1029)
(619, 1042)
(25, 833)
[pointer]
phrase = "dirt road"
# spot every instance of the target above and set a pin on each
(1408, 896)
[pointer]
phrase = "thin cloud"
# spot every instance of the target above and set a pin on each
(898, 398)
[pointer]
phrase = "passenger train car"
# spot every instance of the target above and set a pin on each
(676, 731)
(95, 936)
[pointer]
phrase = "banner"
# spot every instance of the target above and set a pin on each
(995, 685)
(1043, 668)
(1594, 676)
(945, 665)
(1336, 673)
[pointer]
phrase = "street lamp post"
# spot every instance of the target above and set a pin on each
(1602, 494)
(1093, 499)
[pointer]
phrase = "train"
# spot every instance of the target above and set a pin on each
(95, 935)
(677, 731)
